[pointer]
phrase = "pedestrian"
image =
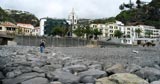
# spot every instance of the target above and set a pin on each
(42, 46)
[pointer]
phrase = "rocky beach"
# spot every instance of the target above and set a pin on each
(79, 65)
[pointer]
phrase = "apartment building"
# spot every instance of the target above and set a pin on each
(130, 34)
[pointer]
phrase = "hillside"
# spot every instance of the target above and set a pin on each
(17, 16)
(148, 15)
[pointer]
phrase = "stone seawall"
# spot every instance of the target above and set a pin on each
(50, 41)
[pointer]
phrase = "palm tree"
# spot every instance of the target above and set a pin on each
(149, 33)
(138, 2)
(138, 31)
(96, 32)
(79, 32)
(118, 33)
(121, 7)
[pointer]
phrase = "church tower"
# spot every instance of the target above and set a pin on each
(73, 20)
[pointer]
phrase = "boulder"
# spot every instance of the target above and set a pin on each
(87, 79)
(37, 69)
(65, 77)
(55, 82)
(37, 80)
(155, 82)
(13, 73)
(25, 69)
(122, 78)
(93, 72)
(96, 66)
(118, 68)
(48, 68)
(148, 73)
(22, 78)
(1, 75)
(133, 68)
(76, 68)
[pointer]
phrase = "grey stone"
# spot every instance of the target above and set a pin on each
(25, 69)
(76, 68)
(155, 82)
(133, 68)
(22, 78)
(10, 74)
(87, 79)
(38, 63)
(1, 75)
(122, 78)
(55, 82)
(93, 72)
(50, 76)
(117, 68)
(37, 80)
(150, 74)
(96, 66)
(48, 68)
(37, 69)
(65, 77)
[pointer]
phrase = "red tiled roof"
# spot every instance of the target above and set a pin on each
(8, 24)
(25, 25)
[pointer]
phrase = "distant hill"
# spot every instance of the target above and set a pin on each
(104, 20)
(17, 16)
(147, 14)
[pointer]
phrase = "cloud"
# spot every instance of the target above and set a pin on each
(62, 8)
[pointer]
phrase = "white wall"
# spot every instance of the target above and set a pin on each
(42, 21)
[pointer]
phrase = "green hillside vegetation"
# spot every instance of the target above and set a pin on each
(17, 16)
(144, 14)
(103, 21)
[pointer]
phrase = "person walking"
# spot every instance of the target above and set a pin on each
(42, 46)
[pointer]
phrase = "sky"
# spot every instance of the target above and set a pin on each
(91, 9)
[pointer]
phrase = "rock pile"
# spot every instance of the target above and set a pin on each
(25, 65)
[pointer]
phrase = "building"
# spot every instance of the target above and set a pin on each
(8, 28)
(42, 25)
(102, 28)
(36, 31)
(47, 25)
(25, 29)
(108, 29)
(73, 22)
(130, 36)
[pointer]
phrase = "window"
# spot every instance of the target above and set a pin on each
(0, 28)
(115, 27)
(128, 28)
(9, 28)
(111, 35)
(111, 31)
(111, 27)
(13, 29)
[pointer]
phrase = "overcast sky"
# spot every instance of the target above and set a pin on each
(62, 8)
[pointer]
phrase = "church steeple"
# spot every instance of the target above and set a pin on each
(72, 17)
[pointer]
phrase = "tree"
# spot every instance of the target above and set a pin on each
(149, 33)
(79, 32)
(58, 30)
(138, 31)
(121, 7)
(88, 31)
(96, 32)
(138, 2)
(118, 33)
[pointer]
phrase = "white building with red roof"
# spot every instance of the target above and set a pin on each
(8, 28)
(25, 29)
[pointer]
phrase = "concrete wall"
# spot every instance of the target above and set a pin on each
(50, 41)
